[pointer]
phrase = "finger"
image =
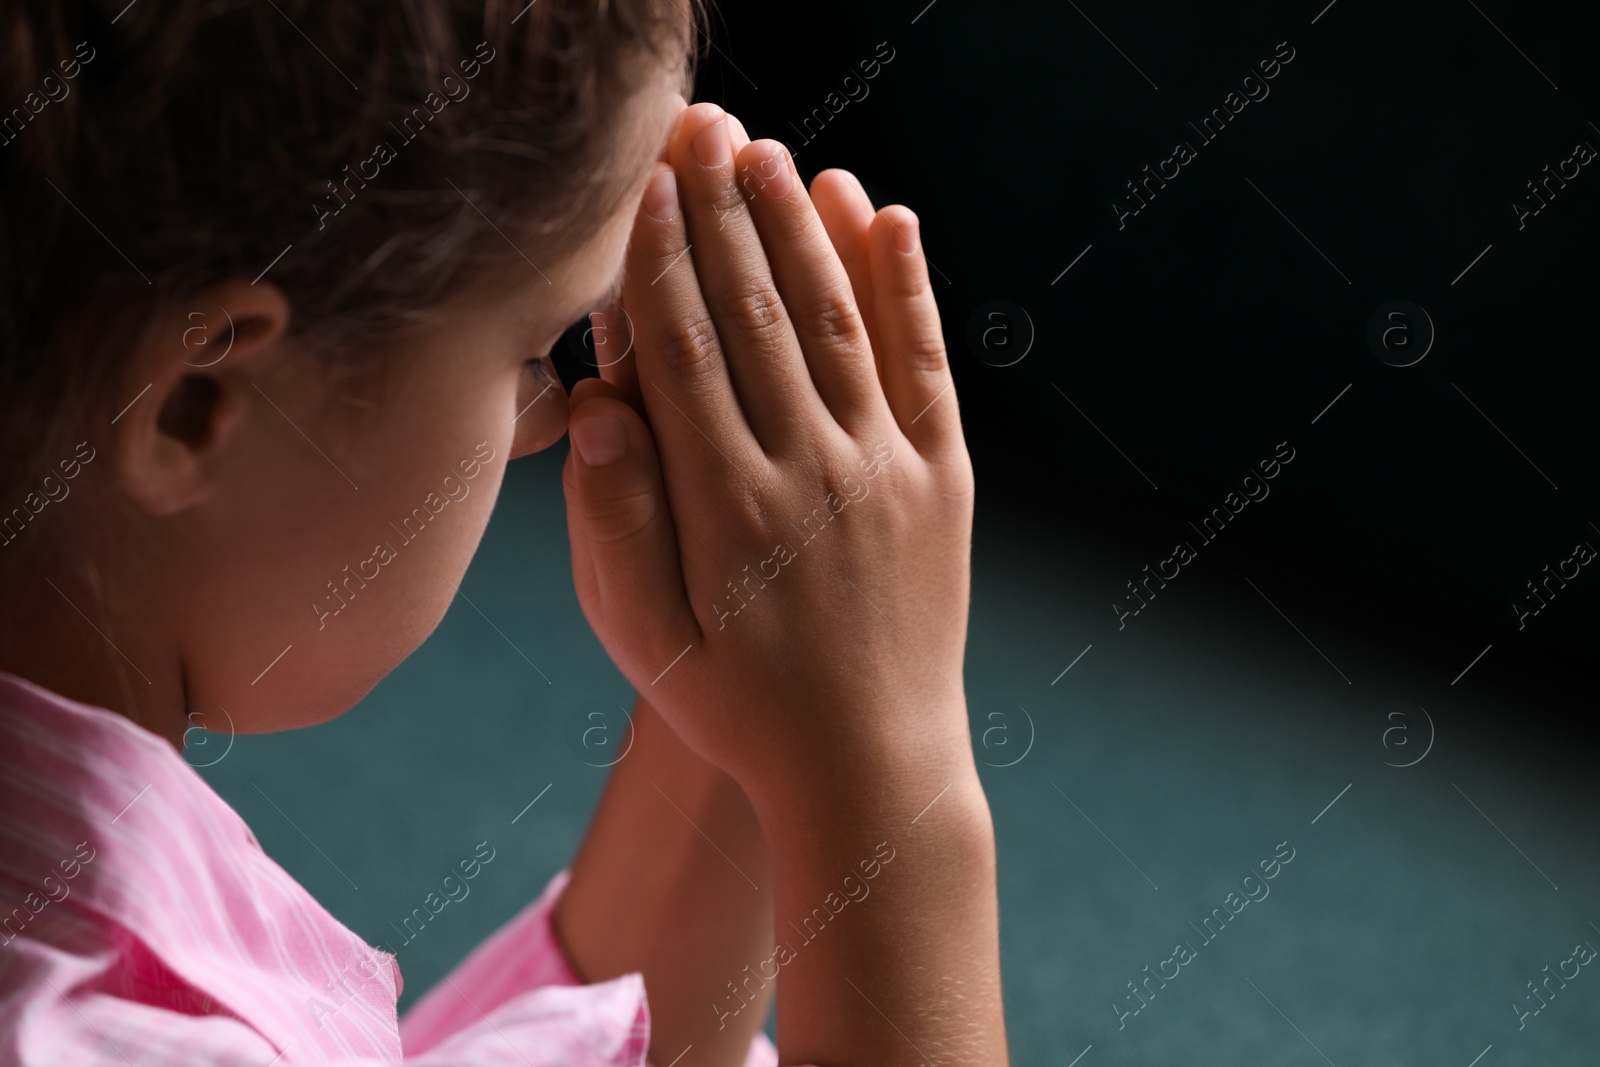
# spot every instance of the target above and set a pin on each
(737, 131)
(763, 355)
(617, 508)
(680, 109)
(611, 332)
(611, 337)
(614, 364)
(814, 287)
(846, 212)
(683, 377)
(611, 326)
(583, 577)
(916, 369)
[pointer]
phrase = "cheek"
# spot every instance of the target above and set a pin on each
(325, 585)
(539, 416)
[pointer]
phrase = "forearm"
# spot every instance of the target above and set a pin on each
(672, 880)
(887, 918)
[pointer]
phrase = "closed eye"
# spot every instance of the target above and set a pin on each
(549, 354)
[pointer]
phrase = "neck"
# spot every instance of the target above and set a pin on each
(65, 627)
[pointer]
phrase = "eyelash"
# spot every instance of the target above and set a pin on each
(548, 354)
(582, 323)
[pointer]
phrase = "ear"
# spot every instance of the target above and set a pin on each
(194, 365)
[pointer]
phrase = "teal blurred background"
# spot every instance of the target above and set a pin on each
(1131, 794)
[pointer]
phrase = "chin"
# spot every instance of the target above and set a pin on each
(294, 714)
(317, 689)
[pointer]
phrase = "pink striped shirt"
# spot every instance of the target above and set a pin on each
(141, 924)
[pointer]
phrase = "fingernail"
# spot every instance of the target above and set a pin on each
(905, 237)
(711, 146)
(776, 186)
(600, 439)
(661, 198)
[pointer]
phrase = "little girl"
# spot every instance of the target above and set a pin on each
(281, 279)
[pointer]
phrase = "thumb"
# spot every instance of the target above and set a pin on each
(620, 524)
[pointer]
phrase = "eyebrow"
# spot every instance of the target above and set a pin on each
(612, 294)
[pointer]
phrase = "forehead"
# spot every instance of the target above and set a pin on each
(592, 275)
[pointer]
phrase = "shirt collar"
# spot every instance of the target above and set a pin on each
(103, 816)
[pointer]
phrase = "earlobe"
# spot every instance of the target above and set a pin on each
(188, 375)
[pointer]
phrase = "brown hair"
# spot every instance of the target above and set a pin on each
(149, 149)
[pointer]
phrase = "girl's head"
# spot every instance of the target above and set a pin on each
(279, 281)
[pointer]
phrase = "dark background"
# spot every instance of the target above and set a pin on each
(1207, 329)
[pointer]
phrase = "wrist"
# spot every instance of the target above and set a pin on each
(674, 766)
(885, 791)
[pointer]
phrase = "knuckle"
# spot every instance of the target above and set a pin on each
(686, 345)
(925, 352)
(834, 321)
(748, 517)
(731, 197)
(835, 469)
(619, 517)
(754, 308)
(754, 495)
